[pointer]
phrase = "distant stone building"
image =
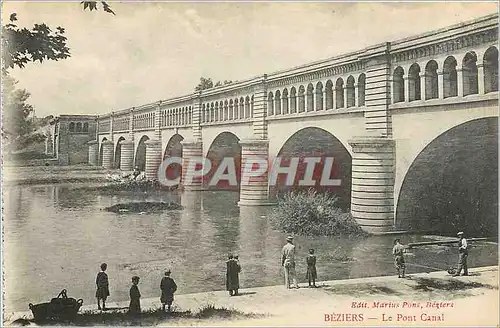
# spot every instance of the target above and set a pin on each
(68, 138)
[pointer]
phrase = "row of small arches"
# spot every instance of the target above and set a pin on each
(314, 98)
(78, 127)
(449, 86)
(176, 116)
(233, 109)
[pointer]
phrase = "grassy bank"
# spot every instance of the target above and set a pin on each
(146, 318)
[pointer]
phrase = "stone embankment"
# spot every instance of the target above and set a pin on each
(424, 299)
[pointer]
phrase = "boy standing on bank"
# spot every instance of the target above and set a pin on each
(168, 288)
(102, 291)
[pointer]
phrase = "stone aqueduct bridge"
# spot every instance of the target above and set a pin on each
(385, 104)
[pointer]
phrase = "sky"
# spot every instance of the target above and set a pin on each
(153, 51)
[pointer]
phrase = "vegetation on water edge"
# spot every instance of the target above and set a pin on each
(132, 186)
(313, 214)
(147, 207)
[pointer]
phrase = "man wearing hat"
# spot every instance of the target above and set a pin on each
(399, 260)
(462, 254)
(288, 262)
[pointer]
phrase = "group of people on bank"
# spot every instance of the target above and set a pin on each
(233, 268)
(167, 287)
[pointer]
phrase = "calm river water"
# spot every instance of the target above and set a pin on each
(56, 236)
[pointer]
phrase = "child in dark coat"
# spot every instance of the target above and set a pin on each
(311, 268)
(168, 288)
(134, 307)
(102, 283)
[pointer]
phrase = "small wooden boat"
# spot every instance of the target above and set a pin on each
(61, 307)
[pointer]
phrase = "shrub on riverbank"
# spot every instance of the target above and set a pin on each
(313, 214)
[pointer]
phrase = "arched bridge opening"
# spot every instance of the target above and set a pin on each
(174, 149)
(322, 163)
(453, 183)
(225, 156)
(140, 153)
(118, 152)
(101, 151)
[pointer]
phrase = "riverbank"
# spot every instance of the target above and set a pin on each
(423, 299)
(29, 175)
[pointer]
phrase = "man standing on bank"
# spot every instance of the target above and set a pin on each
(462, 255)
(399, 259)
(288, 262)
(232, 276)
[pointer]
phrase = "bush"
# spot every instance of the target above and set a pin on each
(313, 214)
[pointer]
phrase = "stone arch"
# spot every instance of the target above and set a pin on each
(285, 101)
(450, 86)
(455, 174)
(233, 114)
(361, 89)
(315, 142)
(339, 93)
(277, 103)
(174, 149)
(101, 150)
(329, 94)
(216, 112)
(242, 107)
(225, 145)
(248, 108)
(351, 95)
(221, 110)
(319, 96)
(398, 85)
(270, 104)
(118, 152)
(293, 100)
(301, 100)
(140, 153)
(227, 112)
(431, 80)
(310, 97)
(71, 126)
(78, 127)
(469, 74)
(490, 67)
(414, 87)
(85, 127)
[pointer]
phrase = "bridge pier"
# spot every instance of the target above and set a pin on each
(254, 190)
(372, 198)
(191, 149)
(93, 152)
(107, 154)
(127, 155)
(153, 158)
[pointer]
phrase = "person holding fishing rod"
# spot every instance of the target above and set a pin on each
(463, 253)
